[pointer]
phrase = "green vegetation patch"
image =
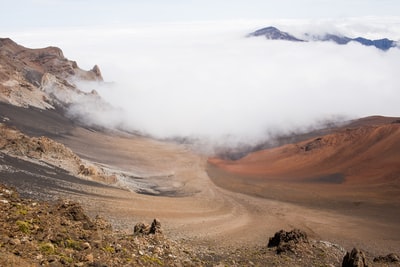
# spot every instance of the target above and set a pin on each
(24, 226)
(151, 260)
(47, 248)
(109, 249)
(73, 244)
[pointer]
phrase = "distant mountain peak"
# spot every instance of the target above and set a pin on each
(273, 33)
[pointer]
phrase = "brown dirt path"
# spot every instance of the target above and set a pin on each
(204, 213)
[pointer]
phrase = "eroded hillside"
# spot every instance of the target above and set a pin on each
(364, 154)
(39, 77)
(127, 178)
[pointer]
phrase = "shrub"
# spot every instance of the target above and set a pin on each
(47, 248)
(24, 226)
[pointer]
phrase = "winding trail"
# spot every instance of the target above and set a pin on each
(203, 213)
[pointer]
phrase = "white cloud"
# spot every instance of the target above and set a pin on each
(206, 79)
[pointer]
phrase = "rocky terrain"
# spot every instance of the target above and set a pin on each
(39, 78)
(35, 233)
(86, 193)
(61, 234)
(43, 150)
(354, 170)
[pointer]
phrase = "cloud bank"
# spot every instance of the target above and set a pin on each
(207, 80)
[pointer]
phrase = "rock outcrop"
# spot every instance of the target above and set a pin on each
(356, 258)
(142, 228)
(34, 233)
(390, 258)
(39, 77)
(288, 241)
(45, 150)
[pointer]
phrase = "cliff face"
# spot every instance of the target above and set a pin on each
(34, 77)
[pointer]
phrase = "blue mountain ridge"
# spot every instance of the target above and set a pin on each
(272, 33)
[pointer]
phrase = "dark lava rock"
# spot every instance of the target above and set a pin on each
(146, 229)
(390, 258)
(316, 143)
(141, 228)
(73, 211)
(355, 258)
(282, 236)
(155, 227)
(287, 241)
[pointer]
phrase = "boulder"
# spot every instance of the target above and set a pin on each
(73, 211)
(97, 72)
(296, 236)
(155, 227)
(288, 241)
(141, 228)
(356, 258)
(146, 229)
(390, 258)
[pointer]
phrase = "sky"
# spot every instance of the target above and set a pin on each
(185, 68)
(28, 14)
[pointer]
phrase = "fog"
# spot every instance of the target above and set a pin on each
(206, 80)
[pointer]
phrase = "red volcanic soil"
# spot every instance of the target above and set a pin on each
(365, 154)
(354, 171)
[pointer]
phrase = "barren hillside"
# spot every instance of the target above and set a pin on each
(341, 187)
(38, 77)
(364, 154)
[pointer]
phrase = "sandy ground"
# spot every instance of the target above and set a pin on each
(189, 204)
(207, 214)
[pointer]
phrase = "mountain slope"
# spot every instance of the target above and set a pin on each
(358, 155)
(39, 77)
(210, 226)
(272, 33)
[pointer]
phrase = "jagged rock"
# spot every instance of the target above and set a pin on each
(86, 171)
(141, 228)
(73, 211)
(36, 233)
(44, 149)
(102, 224)
(155, 227)
(287, 241)
(33, 76)
(316, 143)
(97, 72)
(355, 258)
(146, 229)
(296, 235)
(42, 78)
(390, 258)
